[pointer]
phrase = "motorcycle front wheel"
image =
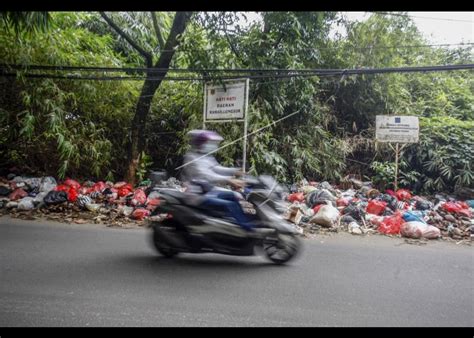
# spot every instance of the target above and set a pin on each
(161, 246)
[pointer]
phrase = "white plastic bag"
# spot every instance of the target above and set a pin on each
(327, 216)
(26, 203)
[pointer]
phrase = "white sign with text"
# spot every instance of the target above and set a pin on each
(225, 102)
(397, 129)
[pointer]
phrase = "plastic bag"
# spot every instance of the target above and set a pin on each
(72, 183)
(391, 224)
(460, 208)
(47, 186)
(139, 198)
(391, 201)
(403, 194)
(412, 217)
(99, 186)
(418, 230)
(62, 187)
(126, 211)
(4, 191)
(124, 190)
(33, 182)
(93, 207)
(120, 184)
(376, 207)
(40, 197)
(342, 202)
(140, 214)
(317, 207)
(55, 197)
(319, 196)
(296, 197)
(356, 211)
(326, 216)
(26, 203)
(152, 203)
(72, 195)
(17, 194)
(83, 200)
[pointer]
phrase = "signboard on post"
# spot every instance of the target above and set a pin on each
(397, 129)
(225, 102)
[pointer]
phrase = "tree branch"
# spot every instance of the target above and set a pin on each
(144, 53)
(179, 25)
(232, 47)
(161, 42)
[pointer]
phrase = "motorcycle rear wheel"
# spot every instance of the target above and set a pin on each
(283, 250)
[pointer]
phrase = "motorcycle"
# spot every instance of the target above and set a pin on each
(189, 228)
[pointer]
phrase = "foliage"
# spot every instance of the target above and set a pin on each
(26, 22)
(58, 126)
(145, 163)
(445, 155)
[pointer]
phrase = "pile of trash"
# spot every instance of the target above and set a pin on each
(356, 207)
(353, 206)
(70, 201)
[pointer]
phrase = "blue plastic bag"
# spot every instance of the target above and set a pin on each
(410, 216)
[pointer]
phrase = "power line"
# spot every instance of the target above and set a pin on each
(286, 74)
(357, 48)
(422, 17)
(181, 70)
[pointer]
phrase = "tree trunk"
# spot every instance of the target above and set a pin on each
(137, 132)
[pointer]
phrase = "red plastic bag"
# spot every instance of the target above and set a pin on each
(140, 214)
(17, 194)
(452, 207)
(403, 195)
(151, 204)
(119, 184)
(99, 186)
(72, 195)
(139, 197)
(71, 183)
(123, 191)
(376, 207)
(316, 208)
(62, 187)
(391, 224)
(296, 197)
(342, 202)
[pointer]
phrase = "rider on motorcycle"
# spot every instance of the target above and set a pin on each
(201, 169)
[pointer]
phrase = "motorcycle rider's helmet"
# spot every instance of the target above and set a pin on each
(204, 141)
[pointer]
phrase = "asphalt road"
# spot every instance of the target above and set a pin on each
(54, 274)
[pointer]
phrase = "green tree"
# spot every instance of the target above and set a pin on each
(152, 80)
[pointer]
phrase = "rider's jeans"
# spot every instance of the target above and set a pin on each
(227, 201)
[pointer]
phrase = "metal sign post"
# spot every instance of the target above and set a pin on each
(245, 123)
(228, 103)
